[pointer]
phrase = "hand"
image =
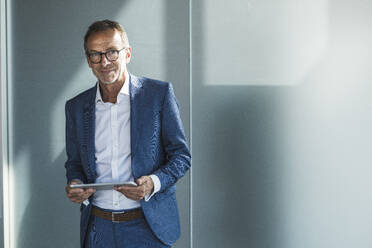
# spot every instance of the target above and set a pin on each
(145, 187)
(78, 195)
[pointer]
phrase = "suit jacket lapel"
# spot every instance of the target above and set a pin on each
(135, 92)
(89, 137)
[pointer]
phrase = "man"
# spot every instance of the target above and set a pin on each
(125, 128)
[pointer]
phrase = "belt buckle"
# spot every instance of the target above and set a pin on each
(113, 216)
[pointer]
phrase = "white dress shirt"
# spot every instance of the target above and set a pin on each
(113, 150)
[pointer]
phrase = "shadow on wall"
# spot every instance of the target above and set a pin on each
(177, 71)
(248, 176)
(238, 174)
(236, 153)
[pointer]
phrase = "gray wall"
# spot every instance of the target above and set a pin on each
(48, 67)
(280, 115)
(281, 123)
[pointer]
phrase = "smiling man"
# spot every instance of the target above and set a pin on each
(124, 129)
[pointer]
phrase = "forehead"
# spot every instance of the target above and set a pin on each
(103, 40)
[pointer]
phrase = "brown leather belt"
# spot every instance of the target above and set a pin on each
(118, 216)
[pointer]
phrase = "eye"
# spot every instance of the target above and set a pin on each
(94, 55)
(111, 52)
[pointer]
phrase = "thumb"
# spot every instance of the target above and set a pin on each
(141, 180)
(75, 181)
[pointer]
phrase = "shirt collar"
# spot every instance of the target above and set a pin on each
(124, 89)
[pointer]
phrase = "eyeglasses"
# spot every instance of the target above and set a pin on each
(111, 55)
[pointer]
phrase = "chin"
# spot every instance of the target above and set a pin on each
(108, 82)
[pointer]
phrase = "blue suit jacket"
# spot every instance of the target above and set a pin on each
(158, 146)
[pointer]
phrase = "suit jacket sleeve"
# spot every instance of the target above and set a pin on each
(73, 165)
(174, 143)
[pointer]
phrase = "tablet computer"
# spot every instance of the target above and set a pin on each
(102, 186)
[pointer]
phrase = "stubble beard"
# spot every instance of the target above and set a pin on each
(111, 81)
(118, 74)
(108, 82)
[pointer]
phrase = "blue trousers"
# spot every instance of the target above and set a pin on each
(104, 233)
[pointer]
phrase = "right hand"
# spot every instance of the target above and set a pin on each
(78, 195)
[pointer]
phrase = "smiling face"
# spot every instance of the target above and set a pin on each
(108, 72)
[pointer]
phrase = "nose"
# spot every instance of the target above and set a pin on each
(104, 60)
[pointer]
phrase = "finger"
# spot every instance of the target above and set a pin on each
(74, 195)
(124, 191)
(90, 190)
(135, 197)
(129, 195)
(79, 201)
(69, 189)
(127, 188)
(87, 194)
(79, 198)
(75, 191)
(76, 199)
(139, 193)
(139, 190)
(75, 181)
(136, 193)
(81, 192)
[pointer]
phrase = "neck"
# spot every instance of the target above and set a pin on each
(109, 92)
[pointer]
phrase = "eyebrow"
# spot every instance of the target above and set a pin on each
(108, 49)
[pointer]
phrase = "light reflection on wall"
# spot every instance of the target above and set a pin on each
(15, 217)
(327, 130)
(267, 42)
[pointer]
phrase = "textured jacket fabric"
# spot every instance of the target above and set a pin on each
(158, 146)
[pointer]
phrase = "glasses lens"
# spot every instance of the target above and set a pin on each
(112, 55)
(95, 57)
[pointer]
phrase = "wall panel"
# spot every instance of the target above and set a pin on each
(281, 102)
(48, 67)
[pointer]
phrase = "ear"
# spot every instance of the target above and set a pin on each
(128, 54)
(88, 61)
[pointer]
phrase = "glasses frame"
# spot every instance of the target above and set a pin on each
(105, 53)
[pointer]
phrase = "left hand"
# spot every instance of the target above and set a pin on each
(145, 187)
(78, 195)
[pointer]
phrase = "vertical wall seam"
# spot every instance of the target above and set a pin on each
(4, 120)
(190, 124)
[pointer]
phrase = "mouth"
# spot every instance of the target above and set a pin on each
(108, 70)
